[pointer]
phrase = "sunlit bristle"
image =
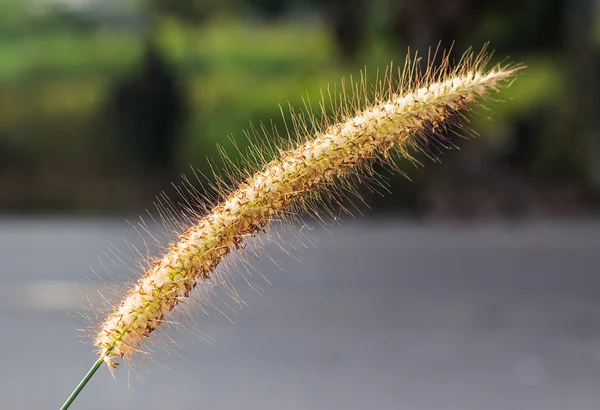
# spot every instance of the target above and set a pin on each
(403, 114)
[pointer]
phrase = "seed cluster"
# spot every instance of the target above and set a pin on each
(339, 150)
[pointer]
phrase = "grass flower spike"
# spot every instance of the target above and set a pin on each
(399, 115)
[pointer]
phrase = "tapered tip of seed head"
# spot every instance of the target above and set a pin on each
(508, 71)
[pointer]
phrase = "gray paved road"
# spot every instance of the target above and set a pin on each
(381, 314)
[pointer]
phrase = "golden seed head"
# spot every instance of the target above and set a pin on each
(397, 118)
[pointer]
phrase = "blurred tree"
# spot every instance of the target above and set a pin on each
(584, 65)
(148, 105)
(423, 24)
(526, 25)
(270, 9)
(348, 19)
(558, 28)
(148, 108)
(510, 25)
(187, 11)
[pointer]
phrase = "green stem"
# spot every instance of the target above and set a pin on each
(83, 382)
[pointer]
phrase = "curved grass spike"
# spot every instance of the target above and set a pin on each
(400, 115)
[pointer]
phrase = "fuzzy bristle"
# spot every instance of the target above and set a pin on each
(406, 112)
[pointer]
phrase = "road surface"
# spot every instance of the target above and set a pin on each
(381, 314)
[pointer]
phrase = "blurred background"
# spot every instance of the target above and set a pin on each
(472, 286)
(104, 103)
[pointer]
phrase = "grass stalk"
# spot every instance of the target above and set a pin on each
(83, 382)
(401, 114)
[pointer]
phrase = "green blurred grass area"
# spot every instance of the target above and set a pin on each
(231, 72)
(244, 72)
(54, 86)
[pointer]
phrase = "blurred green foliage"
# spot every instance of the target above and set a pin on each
(55, 83)
(234, 73)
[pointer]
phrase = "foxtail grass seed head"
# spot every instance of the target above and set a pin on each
(403, 113)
